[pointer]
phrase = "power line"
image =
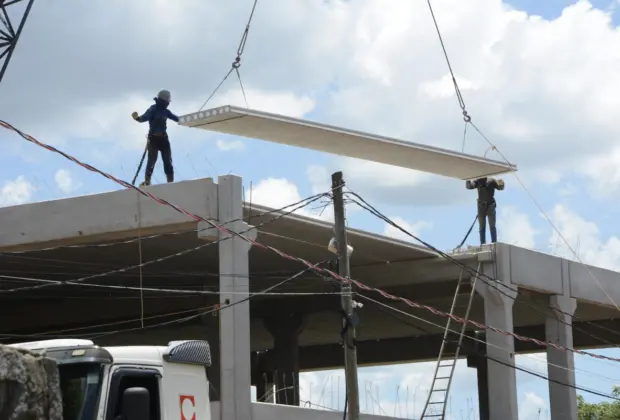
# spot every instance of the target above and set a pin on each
(481, 354)
(492, 146)
(158, 235)
(214, 309)
(548, 219)
(491, 282)
(313, 267)
(81, 280)
(146, 289)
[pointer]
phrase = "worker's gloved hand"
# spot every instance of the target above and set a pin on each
(500, 182)
(134, 115)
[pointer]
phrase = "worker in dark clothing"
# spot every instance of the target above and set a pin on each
(486, 204)
(157, 140)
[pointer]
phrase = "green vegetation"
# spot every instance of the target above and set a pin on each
(601, 411)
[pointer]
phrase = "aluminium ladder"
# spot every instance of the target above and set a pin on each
(435, 408)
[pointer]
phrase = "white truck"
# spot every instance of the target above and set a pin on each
(104, 383)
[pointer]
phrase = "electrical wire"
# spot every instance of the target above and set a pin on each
(81, 280)
(492, 146)
(315, 268)
(482, 354)
(158, 235)
(153, 289)
(214, 309)
(392, 311)
(548, 219)
(491, 282)
(222, 307)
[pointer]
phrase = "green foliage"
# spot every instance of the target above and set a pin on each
(602, 411)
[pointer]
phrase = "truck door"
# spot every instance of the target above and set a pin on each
(185, 392)
(123, 377)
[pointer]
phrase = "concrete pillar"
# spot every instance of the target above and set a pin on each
(562, 395)
(502, 380)
(476, 352)
(285, 329)
(234, 325)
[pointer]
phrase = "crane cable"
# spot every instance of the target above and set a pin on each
(237, 63)
(492, 146)
(459, 95)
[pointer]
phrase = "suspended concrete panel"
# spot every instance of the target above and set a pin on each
(339, 141)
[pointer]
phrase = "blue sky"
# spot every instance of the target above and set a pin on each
(542, 88)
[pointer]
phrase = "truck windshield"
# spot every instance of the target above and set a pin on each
(80, 385)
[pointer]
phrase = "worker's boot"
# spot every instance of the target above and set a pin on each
(493, 235)
(170, 178)
(147, 182)
(483, 237)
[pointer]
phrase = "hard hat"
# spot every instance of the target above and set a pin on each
(164, 95)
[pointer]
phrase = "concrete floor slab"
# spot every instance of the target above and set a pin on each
(335, 140)
(104, 217)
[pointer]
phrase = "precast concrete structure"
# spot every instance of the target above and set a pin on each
(268, 339)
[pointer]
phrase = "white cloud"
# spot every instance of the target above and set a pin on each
(319, 177)
(230, 145)
(585, 239)
(531, 406)
(18, 191)
(515, 228)
(65, 181)
(343, 61)
(604, 171)
(279, 192)
(415, 228)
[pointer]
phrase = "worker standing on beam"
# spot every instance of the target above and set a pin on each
(157, 140)
(486, 204)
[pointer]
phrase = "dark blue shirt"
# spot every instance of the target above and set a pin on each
(157, 116)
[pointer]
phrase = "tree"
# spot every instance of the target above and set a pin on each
(601, 411)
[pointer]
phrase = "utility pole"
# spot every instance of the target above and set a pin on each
(350, 351)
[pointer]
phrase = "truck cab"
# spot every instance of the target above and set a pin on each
(130, 382)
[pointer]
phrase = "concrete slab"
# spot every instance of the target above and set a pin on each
(105, 217)
(335, 140)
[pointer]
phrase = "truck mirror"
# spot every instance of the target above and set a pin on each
(136, 404)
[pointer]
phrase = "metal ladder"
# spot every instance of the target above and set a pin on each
(435, 408)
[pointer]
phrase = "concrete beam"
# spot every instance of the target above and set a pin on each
(545, 273)
(105, 217)
(593, 284)
(425, 348)
(427, 271)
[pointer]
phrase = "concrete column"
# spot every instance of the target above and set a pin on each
(559, 330)
(502, 380)
(476, 350)
(285, 330)
(235, 363)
